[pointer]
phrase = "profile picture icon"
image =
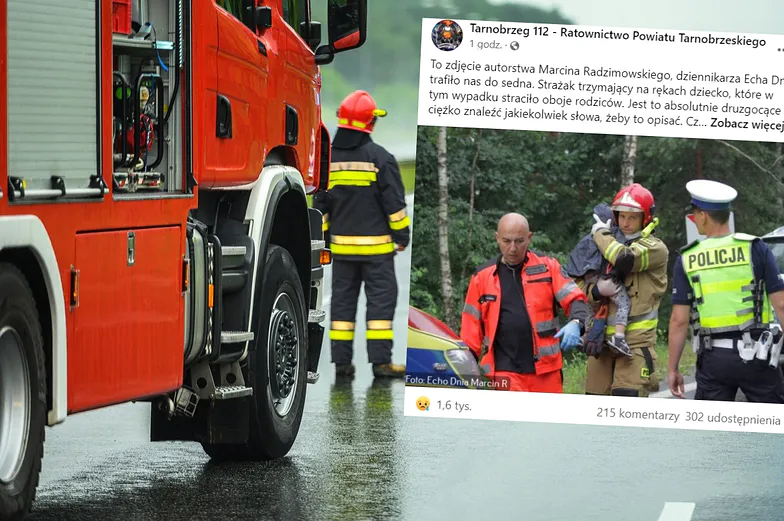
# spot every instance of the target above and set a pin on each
(447, 35)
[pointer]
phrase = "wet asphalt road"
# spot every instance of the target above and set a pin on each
(358, 458)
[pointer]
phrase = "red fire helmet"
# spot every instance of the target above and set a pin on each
(358, 111)
(635, 198)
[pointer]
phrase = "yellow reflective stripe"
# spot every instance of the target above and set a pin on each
(361, 240)
(612, 251)
(399, 225)
(354, 123)
(399, 220)
(723, 286)
(333, 184)
(361, 174)
(380, 249)
(380, 334)
(398, 215)
(341, 335)
(352, 175)
(379, 324)
(342, 324)
(725, 320)
(642, 325)
(643, 255)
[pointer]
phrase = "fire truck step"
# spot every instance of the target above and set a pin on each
(313, 377)
(317, 315)
(232, 251)
(233, 257)
(236, 337)
(231, 391)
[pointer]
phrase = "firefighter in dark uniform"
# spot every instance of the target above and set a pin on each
(724, 286)
(365, 222)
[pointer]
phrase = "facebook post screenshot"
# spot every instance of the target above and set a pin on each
(600, 227)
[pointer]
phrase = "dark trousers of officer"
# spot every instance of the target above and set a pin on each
(721, 372)
(381, 294)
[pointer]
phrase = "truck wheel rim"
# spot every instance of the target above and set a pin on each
(284, 354)
(14, 404)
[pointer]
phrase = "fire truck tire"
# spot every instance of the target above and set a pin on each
(274, 430)
(21, 344)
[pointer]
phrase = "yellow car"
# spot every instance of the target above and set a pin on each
(436, 357)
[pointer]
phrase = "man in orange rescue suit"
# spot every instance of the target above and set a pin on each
(643, 258)
(509, 317)
(365, 222)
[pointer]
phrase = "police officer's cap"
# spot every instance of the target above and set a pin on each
(711, 195)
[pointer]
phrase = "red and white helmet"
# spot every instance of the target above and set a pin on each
(635, 198)
(358, 111)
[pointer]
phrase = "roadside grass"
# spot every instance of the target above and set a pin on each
(576, 365)
(406, 172)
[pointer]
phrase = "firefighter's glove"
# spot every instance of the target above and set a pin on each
(594, 339)
(569, 335)
(599, 225)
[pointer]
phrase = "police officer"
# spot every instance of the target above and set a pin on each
(724, 285)
(365, 221)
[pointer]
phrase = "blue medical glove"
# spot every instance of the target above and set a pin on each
(571, 335)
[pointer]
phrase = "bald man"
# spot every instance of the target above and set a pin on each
(509, 318)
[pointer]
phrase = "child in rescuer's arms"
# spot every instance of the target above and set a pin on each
(586, 261)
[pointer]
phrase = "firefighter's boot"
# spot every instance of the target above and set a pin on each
(344, 371)
(389, 370)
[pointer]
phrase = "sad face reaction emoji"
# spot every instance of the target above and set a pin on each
(423, 403)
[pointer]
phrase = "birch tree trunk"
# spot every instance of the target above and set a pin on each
(443, 227)
(629, 160)
(471, 198)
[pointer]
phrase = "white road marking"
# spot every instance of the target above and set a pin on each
(667, 394)
(677, 512)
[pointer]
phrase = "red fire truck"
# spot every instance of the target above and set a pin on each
(155, 238)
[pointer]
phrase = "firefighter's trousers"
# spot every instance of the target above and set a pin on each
(378, 274)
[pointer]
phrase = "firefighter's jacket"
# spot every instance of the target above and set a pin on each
(364, 209)
(545, 283)
(645, 262)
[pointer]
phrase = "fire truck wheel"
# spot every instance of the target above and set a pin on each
(22, 394)
(277, 368)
